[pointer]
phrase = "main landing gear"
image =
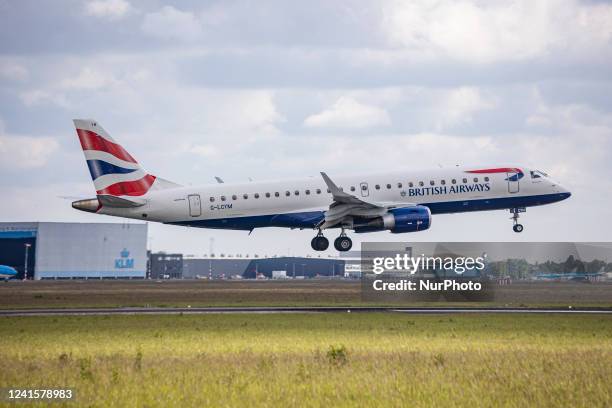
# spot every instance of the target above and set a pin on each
(319, 243)
(515, 216)
(342, 243)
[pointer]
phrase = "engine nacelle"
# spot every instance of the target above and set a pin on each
(398, 220)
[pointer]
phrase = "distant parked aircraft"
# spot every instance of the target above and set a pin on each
(7, 272)
(396, 201)
(569, 276)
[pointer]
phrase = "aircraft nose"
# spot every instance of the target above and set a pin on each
(564, 193)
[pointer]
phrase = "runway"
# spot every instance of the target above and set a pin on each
(270, 310)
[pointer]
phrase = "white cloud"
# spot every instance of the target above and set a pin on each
(89, 79)
(13, 71)
(172, 24)
(484, 32)
(460, 105)
(25, 151)
(348, 113)
(110, 9)
(41, 97)
(202, 150)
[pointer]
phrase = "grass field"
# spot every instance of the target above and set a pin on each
(320, 360)
(94, 293)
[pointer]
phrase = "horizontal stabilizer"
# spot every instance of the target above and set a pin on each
(118, 202)
(163, 184)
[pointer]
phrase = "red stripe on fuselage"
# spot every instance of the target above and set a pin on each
(130, 188)
(92, 141)
(497, 170)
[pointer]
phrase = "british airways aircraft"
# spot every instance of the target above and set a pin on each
(397, 201)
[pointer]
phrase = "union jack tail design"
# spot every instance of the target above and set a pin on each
(113, 170)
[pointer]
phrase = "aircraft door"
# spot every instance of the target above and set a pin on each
(365, 189)
(195, 205)
(513, 181)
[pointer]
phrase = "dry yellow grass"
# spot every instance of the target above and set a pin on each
(317, 360)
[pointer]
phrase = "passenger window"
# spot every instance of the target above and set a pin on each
(234, 197)
(245, 196)
(307, 192)
(296, 192)
(287, 193)
(399, 185)
(277, 194)
(256, 195)
(465, 180)
(328, 190)
(222, 198)
(411, 184)
(267, 195)
(475, 179)
(454, 181)
(443, 182)
(421, 183)
(388, 186)
(432, 183)
(352, 188)
(486, 179)
(318, 191)
(212, 199)
(377, 186)
(364, 187)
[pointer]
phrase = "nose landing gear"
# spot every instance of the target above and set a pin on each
(515, 216)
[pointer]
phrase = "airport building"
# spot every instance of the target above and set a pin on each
(55, 250)
(250, 268)
(165, 266)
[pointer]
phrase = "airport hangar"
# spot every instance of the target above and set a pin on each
(74, 250)
(57, 250)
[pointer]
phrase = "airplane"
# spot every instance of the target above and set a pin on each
(570, 276)
(399, 201)
(7, 272)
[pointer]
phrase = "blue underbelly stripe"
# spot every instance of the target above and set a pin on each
(312, 218)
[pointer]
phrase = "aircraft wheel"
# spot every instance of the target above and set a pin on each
(343, 243)
(518, 228)
(319, 243)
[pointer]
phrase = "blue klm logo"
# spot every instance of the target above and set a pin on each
(125, 262)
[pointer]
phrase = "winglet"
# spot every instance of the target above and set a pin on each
(339, 195)
(333, 188)
(219, 180)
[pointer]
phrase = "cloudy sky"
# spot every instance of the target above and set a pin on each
(238, 89)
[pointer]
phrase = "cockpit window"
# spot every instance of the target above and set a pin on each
(538, 174)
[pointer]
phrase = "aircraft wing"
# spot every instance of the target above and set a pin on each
(345, 206)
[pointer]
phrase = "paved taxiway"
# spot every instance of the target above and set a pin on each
(205, 310)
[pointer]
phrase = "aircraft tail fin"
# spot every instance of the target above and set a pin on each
(113, 170)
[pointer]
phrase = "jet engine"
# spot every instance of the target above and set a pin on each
(397, 220)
